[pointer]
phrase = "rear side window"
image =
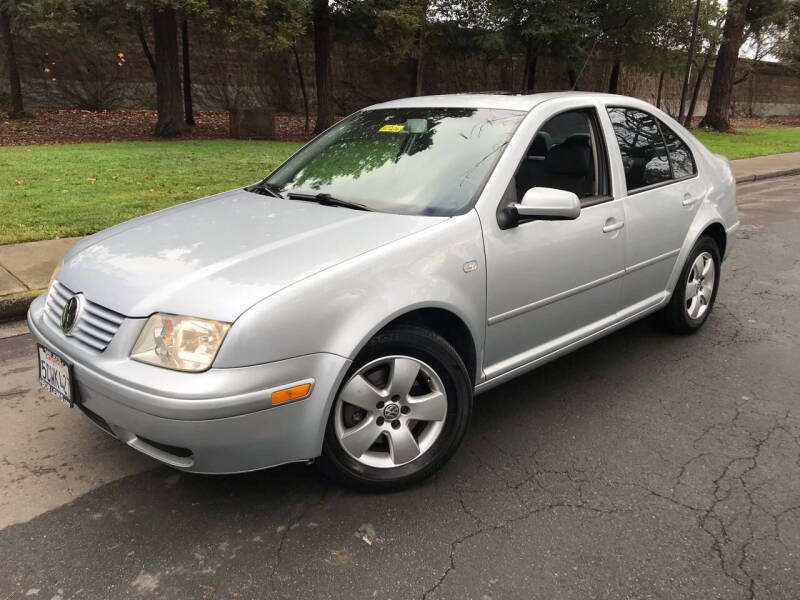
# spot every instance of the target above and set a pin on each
(644, 154)
(679, 154)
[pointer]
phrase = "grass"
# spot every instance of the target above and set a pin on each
(746, 143)
(75, 189)
(69, 190)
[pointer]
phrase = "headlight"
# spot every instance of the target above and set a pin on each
(180, 343)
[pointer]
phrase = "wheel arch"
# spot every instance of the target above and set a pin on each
(716, 231)
(447, 324)
(707, 221)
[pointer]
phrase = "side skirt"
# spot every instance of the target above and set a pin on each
(623, 318)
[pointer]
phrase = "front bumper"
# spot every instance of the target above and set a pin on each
(218, 421)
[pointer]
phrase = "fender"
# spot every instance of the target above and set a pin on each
(707, 215)
(340, 309)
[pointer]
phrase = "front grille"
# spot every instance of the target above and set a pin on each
(96, 325)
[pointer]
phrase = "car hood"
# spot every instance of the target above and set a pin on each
(216, 257)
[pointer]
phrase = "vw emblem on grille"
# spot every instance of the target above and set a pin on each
(391, 412)
(69, 316)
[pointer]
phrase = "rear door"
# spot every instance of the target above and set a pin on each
(662, 196)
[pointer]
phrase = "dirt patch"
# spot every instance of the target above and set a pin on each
(74, 126)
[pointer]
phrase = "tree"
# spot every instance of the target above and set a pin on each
(719, 98)
(787, 48)
(628, 30)
(322, 64)
(20, 18)
(188, 107)
(169, 100)
(758, 14)
(561, 28)
(17, 110)
(689, 58)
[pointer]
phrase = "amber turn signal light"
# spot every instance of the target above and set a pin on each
(296, 392)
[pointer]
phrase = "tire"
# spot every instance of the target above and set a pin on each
(376, 384)
(684, 315)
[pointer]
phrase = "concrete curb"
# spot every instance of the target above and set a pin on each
(772, 175)
(15, 306)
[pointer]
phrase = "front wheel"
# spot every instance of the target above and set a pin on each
(401, 412)
(696, 289)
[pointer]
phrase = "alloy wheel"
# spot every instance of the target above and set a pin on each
(390, 412)
(700, 285)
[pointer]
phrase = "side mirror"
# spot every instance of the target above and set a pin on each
(545, 204)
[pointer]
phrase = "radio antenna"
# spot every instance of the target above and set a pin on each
(585, 62)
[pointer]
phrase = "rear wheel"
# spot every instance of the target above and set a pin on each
(401, 412)
(696, 289)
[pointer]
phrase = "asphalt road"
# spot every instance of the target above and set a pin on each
(643, 466)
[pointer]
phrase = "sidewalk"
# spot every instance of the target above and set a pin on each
(765, 167)
(25, 269)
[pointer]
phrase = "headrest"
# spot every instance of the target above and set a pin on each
(569, 158)
(578, 139)
(541, 144)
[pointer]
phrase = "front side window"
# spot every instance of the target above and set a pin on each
(644, 155)
(423, 161)
(563, 156)
(679, 154)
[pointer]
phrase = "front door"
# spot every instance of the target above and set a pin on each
(550, 283)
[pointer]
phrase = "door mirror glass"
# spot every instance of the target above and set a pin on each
(548, 204)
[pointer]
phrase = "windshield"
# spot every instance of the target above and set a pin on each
(422, 161)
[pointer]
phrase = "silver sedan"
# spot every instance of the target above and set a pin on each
(347, 308)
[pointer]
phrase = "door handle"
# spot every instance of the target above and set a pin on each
(613, 225)
(688, 200)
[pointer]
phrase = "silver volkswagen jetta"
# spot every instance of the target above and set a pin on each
(350, 305)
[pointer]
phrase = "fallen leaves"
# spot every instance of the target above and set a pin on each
(75, 126)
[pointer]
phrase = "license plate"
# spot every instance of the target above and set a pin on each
(55, 376)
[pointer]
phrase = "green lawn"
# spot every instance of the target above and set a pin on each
(66, 190)
(746, 143)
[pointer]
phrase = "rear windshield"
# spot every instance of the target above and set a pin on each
(423, 161)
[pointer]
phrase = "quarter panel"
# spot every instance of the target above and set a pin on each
(338, 310)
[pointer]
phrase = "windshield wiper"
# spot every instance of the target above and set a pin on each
(327, 200)
(265, 189)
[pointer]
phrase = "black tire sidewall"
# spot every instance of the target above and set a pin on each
(434, 351)
(681, 321)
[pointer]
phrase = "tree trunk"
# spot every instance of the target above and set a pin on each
(719, 99)
(529, 77)
(698, 83)
(301, 79)
(17, 109)
(420, 64)
(613, 82)
(572, 76)
(188, 107)
(322, 64)
(417, 64)
(145, 47)
(168, 78)
(660, 89)
(689, 61)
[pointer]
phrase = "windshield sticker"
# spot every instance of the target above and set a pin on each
(392, 128)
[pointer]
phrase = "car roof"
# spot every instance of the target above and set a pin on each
(523, 102)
